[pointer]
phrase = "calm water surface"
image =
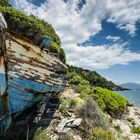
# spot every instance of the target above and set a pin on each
(132, 96)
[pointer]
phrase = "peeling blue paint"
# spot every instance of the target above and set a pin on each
(2, 83)
(28, 84)
(24, 81)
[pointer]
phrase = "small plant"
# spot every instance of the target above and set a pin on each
(92, 115)
(75, 80)
(62, 109)
(101, 134)
(40, 135)
(83, 95)
(135, 130)
(62, 105)
(72, 103)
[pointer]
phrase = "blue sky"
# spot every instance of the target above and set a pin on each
(101, 35)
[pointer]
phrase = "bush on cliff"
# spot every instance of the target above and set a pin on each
(74, 78)
(110, 102)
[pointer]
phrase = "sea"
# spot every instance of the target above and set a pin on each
(133, 96)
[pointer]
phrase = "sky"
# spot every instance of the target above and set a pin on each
(101, 35)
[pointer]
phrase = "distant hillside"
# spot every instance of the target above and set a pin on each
(94, 78)
(134, 86)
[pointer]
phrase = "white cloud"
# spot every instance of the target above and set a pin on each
(100, 57)
(113, 38)
(125, 13)
(76, 27)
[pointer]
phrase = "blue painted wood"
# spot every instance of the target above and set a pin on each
(45, 41)
(18, 100)
(28, 84)
(4, 124)
(2, 83)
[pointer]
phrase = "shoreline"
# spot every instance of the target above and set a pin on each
(129, 119)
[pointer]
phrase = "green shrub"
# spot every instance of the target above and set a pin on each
(83, 95)
(86, 89)
(84, 82)
(92, 115)
(75, 80)
(55, 47)
(62, 55)
(4, 3)
(63, 105)
(101, 134)
(135, 130)
(72, 103)
(110, 102)
(62, 109)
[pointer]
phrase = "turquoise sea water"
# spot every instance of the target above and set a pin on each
(132, 96)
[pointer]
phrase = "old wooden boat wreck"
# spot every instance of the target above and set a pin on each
(27, 74)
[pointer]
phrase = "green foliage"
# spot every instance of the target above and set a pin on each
(76, 79)
(84, 82)
(62, 55)
(4, 3)
(72, 103)
(101, 134)
(86, 89)
(19, 22)
(32, 28)
(135, 130)
(63, 107)
(83, 95)
(93, 78)
(55, 48)
(66, 104)
(110, 102)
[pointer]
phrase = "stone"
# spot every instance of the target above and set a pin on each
(77, 122)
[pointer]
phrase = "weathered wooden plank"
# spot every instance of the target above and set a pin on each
(27, 75)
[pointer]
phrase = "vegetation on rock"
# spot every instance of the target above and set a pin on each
(31, 27)
(40, 135)
(92, 116)
(93, 77)
(101, 134)
(135, 130)
(110, 102)
(4, 3)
